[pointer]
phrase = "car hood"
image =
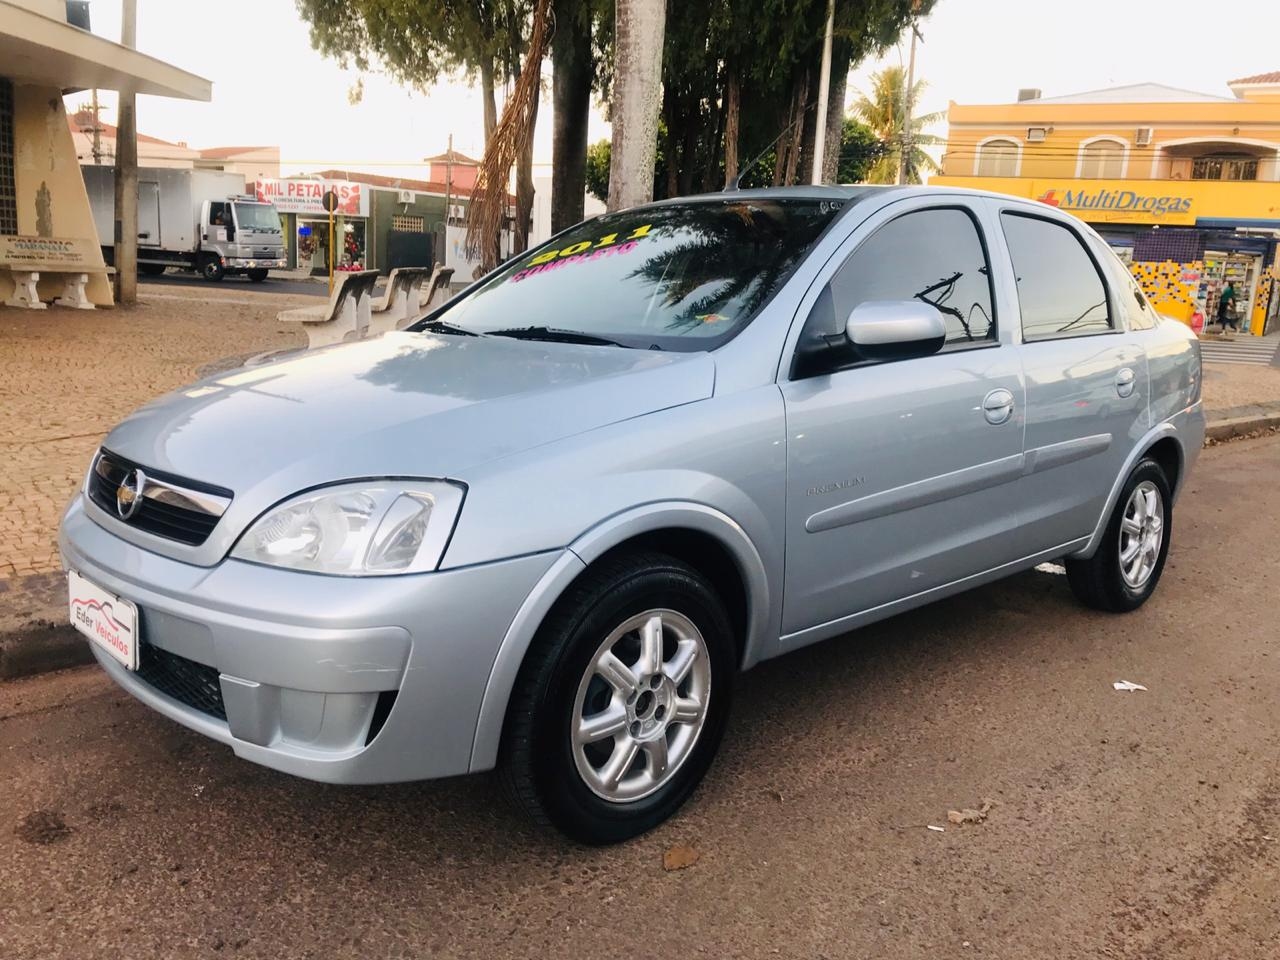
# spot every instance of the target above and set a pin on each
(404, 405)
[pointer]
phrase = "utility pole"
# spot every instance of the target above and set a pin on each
(824, 96)
(97, 129)
(126, 211)
(907, 113)
(448, 197)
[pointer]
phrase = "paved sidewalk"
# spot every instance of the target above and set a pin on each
(69, 376)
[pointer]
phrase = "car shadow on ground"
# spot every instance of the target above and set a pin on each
(783, 709)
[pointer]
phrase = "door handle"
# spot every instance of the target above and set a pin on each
(1125, 382)
(997, 406)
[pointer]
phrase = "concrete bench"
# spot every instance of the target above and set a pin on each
(345, 317)
(401, 301)
(70, 261)
(438, 292)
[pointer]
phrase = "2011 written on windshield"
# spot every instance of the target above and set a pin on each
(582, 251)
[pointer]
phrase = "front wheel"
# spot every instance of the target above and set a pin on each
(211, 269)
(1126, 567)
(622, 701)
(257, 275)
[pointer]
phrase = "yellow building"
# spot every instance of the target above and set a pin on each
(1185, 186)
(48, 244)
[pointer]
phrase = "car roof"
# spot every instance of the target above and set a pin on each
(798, 192)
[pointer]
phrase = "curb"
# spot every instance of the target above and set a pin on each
(41, 646)
(44, 644)
(1235, 427)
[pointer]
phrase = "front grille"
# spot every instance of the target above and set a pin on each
(176, 517)
(186, 681)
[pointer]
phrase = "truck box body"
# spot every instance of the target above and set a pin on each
(174, 221)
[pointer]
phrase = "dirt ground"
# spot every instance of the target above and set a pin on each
(1124, 825)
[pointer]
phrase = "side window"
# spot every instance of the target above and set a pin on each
(1060, 288)
(934, 255)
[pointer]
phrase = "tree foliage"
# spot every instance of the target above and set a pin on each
(884, 109)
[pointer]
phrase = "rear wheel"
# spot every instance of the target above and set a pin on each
(211, 268)
(622, 701)
(151, 269)
(1126, 567)
(257, 275)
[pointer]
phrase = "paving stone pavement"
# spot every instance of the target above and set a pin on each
(67, 376)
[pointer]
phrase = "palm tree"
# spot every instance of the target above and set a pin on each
(637, 97)
(883, 111)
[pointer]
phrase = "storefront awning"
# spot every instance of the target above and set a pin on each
(42, 50)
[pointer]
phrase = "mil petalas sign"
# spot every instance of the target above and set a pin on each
(43, 253)
(1116, 201)
(307, 196)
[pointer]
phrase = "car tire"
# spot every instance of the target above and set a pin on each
(257, 275)
(151, 269)
(211, 269)
(1124, 570)
(557, 762)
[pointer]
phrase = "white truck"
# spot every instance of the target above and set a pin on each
(198, 220)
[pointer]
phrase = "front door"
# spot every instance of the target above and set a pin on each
(901, 476)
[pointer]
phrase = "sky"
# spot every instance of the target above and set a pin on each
(271, 87)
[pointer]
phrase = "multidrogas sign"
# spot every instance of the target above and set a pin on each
(1116, 201)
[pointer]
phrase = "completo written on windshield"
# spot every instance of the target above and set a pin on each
(581, 252)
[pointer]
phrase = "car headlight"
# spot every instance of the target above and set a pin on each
(364, 529)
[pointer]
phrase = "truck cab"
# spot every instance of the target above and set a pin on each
(240, 234)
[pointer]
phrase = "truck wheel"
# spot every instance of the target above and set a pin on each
(258, 275)
(211, 268)
(1126, 567)
(151, 269)
(622, 700)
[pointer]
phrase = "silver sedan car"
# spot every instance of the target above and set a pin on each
(544, 528)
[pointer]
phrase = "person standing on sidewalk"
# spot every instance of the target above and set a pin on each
(1227, 308)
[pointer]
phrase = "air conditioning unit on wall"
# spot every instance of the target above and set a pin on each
(404, 196)
(1143, 137)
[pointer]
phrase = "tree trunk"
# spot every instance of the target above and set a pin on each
(809, 129)
(488, 97)
(524, 184)
(710, 179)
(688, 147)
(732, 107)
(571, 110)
(637, 93)
(841, 55)
(797, 130)
(671, 186)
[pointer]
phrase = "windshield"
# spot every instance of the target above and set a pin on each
(676, 277)
(257, 216)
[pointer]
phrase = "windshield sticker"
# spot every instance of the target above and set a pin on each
(551, 259)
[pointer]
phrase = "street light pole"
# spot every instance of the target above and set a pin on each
(126, 180)
(824, 97)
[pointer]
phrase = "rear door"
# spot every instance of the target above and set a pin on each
(901, 476)
(148, 213)
(1086, 379)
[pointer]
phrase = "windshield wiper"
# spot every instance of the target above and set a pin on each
(444, 326)
(555, 335)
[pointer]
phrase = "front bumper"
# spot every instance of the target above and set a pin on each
(244, 263)
(307, 664)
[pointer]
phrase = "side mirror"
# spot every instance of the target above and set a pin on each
(895, 329)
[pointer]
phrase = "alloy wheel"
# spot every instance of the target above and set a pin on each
(641, 705)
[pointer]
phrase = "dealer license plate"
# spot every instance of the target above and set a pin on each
(107, 620)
